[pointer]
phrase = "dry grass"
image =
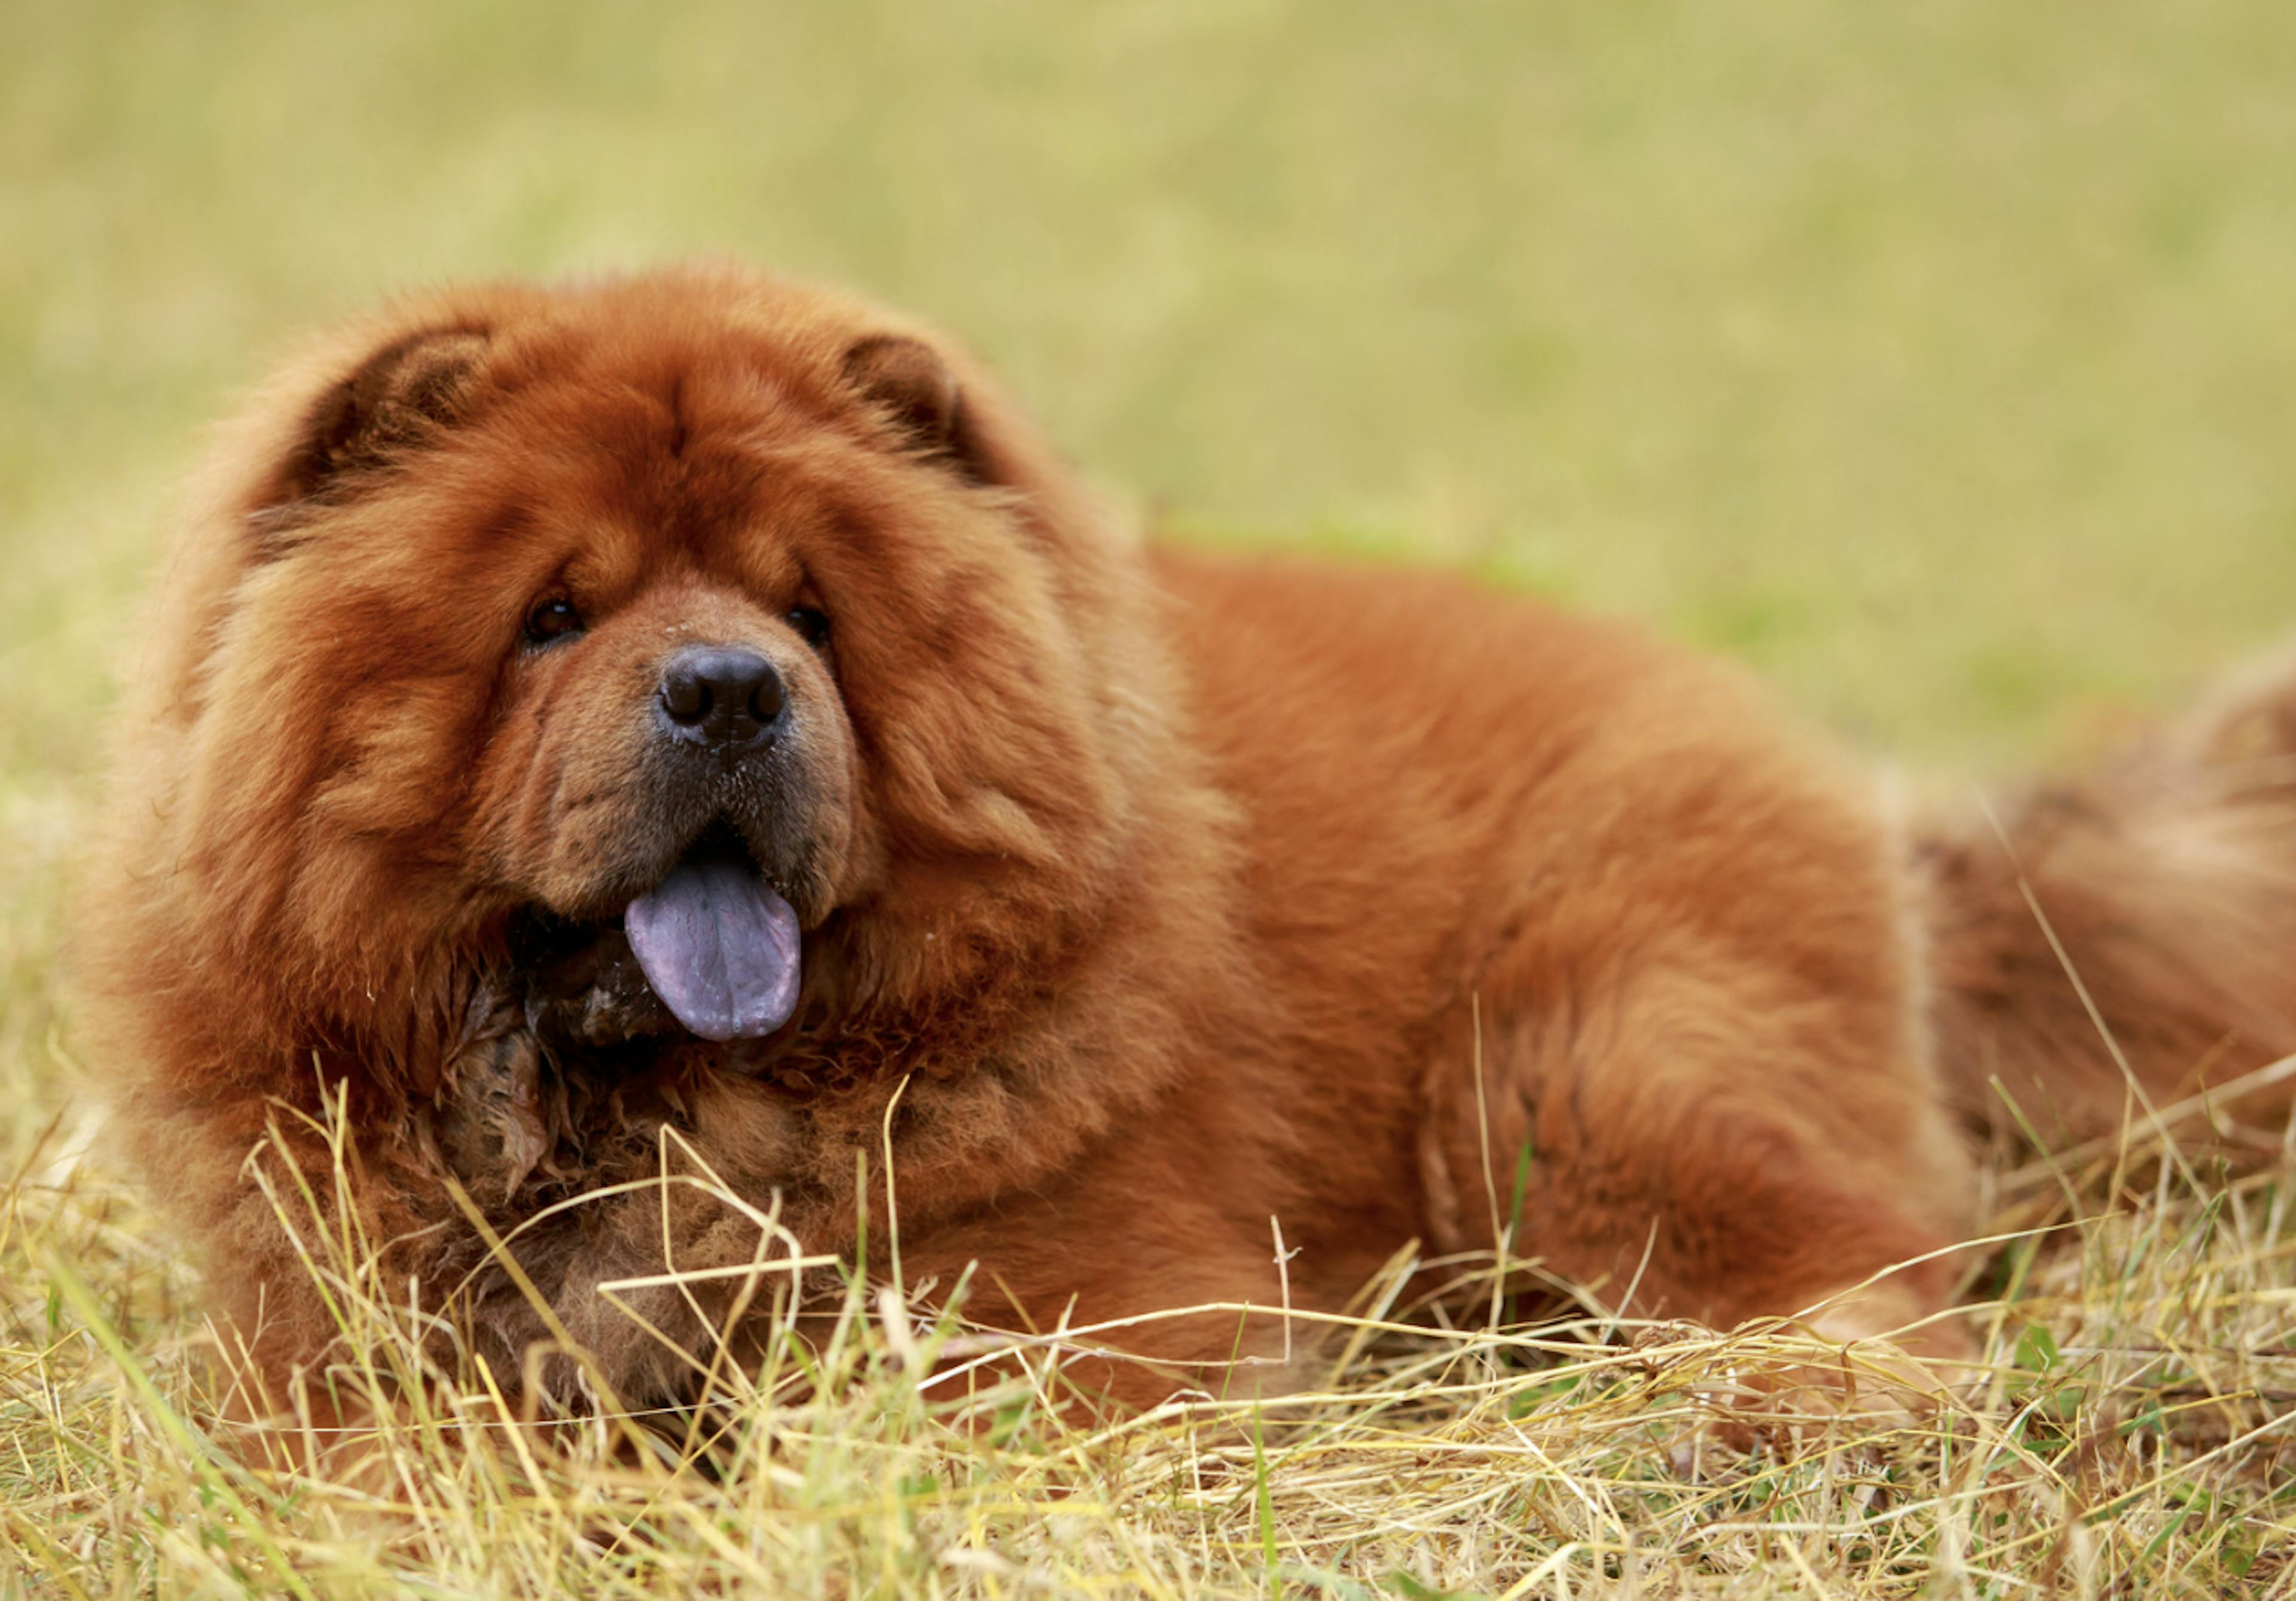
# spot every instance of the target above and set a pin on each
(2134, 1432)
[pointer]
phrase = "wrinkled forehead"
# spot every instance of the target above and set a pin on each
(673, 389)
(685, 441)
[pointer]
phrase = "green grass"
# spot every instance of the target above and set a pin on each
(1936, 358)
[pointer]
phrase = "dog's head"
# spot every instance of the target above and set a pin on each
(741, 623)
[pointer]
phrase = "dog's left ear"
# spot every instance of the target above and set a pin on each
(399, 398)
(905, 381)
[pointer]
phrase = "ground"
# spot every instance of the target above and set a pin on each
(1934, 358)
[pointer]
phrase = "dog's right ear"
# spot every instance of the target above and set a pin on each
(399, 398)
(908, 384)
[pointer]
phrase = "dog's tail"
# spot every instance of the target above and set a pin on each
(2107, 949)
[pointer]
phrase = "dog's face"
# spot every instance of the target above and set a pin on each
(669, 751)
(692, 625)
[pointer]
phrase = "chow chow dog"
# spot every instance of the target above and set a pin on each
(692, 723)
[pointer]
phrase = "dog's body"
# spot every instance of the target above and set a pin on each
(695, 704)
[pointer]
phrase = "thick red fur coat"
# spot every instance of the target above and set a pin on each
(1142, 896)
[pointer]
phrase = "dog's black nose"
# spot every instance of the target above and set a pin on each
(715, 694)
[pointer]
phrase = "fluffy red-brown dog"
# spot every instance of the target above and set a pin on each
(692, 701)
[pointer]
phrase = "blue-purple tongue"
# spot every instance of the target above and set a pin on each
(720, 947)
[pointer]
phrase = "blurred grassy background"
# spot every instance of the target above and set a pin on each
(1937, 358)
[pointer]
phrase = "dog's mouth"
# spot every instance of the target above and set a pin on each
(713, 944)
(716, 943)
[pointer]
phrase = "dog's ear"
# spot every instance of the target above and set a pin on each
(905, 381)
(399, 397)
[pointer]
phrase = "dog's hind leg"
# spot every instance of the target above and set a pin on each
(1705, 1135)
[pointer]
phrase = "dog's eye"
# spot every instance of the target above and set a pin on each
(554, 619)
(812, 626)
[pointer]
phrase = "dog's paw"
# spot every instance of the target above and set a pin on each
(1862, 1365)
